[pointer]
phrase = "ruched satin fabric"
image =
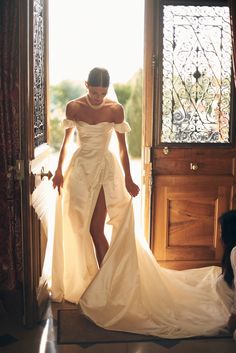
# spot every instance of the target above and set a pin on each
(130, 292)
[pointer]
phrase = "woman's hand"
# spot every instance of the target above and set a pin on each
(131, 187)
(232, 323)
(58, 180)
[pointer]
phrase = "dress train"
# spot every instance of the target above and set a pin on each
(131, 291)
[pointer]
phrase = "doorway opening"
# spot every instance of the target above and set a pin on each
(85, 34)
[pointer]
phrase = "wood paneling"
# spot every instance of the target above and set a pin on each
(187, 187)
(185, 219)
(209, 161)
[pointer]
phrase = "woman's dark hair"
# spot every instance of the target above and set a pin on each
(99, 77)
(228, 236)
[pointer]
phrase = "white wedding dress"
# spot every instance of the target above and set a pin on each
(131, 291)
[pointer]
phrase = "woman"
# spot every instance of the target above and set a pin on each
(119, 286)
(226, 284)
(93, 109)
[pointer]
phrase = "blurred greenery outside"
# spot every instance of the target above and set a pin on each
(129, 95)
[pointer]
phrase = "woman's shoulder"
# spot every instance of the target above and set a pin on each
(117, 110)
(74, 106)
(114, 105)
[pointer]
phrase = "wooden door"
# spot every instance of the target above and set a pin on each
(187, 204)
(193, 178)
(34, 149)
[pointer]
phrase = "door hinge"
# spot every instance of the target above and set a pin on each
(19, 169)
(147, 155)
(154, 61)
(16, 171)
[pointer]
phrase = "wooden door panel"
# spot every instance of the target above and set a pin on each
(185, 219)
(209, 161)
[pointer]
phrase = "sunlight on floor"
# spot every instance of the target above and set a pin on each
(44, 338)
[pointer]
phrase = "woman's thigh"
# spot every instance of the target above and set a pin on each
(99, 215)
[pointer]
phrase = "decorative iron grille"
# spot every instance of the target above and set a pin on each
(196, 75)
(39, 91)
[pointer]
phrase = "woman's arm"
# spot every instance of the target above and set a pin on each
(232, 319)
(131, 187)
(58, 177)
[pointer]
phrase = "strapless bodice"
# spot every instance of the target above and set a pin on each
(95, 137)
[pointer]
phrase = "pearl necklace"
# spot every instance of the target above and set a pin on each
(95, 106)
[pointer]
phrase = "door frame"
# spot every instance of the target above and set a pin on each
(149, 74)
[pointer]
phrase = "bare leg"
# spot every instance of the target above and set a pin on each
(97, 227)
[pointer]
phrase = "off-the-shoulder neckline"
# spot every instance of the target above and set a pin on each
(101, 122)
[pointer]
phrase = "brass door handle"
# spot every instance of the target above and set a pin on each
(194, 166)
(43, 174)
(165, 150)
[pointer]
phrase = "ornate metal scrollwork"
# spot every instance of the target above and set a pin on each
(39, 88)
(196, 94)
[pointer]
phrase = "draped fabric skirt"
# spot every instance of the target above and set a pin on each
(130, 291)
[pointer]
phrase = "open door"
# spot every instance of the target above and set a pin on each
(190, 129)
(34, 149)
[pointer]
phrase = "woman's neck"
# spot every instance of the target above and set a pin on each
(94, 106)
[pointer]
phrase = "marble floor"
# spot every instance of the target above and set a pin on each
(14, 338)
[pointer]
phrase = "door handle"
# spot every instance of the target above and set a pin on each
(36, 178)
(194, 166)
(43, 174)
(165, 150)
